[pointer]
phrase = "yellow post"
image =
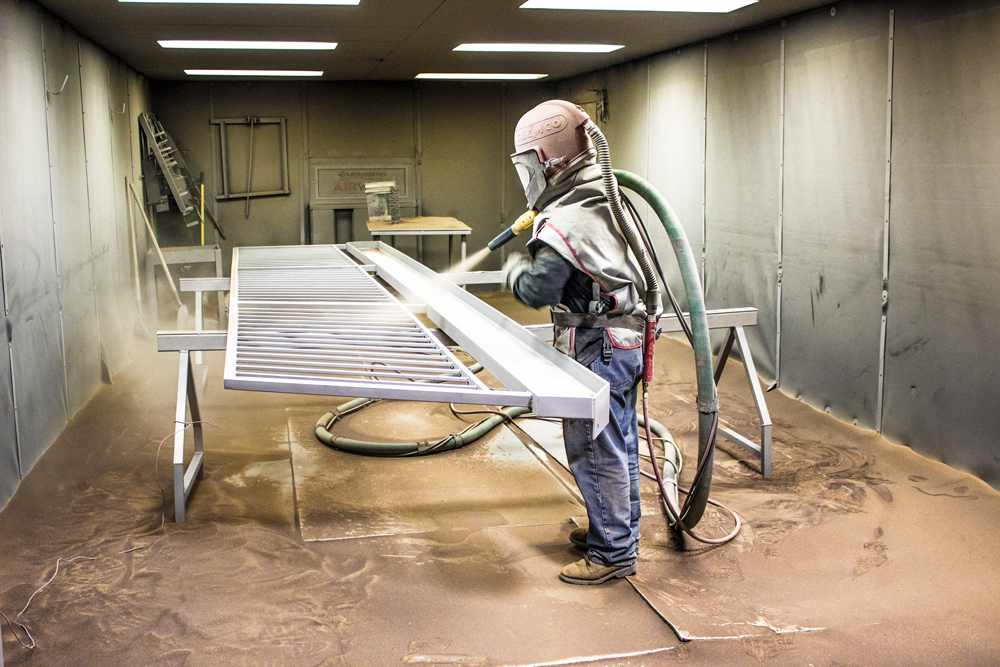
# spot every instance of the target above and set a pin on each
(201, 214)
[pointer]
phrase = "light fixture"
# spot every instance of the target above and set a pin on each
(252, 72)
(707, 6)
(479, 76)
(515, 47)
(247, 45)
(247, 2)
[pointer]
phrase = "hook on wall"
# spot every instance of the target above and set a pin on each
(52, 93)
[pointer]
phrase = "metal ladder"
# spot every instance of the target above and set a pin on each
(169, 159)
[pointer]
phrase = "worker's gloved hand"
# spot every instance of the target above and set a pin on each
(516, 264)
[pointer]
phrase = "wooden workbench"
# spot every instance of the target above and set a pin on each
(421, 227)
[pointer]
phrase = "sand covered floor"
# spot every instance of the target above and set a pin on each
(855, 551)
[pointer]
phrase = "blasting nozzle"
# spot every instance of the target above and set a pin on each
(526, 221)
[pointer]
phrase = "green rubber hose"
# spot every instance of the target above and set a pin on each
(415, 448)
(708, 400)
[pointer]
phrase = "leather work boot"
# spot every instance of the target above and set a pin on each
(578, 538)
(584, 572)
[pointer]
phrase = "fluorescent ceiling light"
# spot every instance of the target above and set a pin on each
(239, 44)
(252, 72)
(513, 47)
(713, 6)
(480, 76)
(248, 2)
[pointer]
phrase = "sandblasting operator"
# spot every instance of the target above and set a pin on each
(579, 264)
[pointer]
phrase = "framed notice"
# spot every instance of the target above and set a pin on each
(340, 182)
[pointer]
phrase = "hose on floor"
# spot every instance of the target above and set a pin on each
(414, 448)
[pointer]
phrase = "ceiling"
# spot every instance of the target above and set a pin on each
(394, 39)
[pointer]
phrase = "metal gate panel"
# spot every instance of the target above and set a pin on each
(307, 319)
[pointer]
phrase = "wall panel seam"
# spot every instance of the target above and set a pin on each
(55, 232)
(704, 171)
(90, 212)
(780, 231)
(886, 219)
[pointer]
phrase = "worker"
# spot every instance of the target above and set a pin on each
(579, 265)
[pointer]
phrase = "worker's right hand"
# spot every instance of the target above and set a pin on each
(516, 264)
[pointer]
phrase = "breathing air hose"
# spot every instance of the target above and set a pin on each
(690, 513)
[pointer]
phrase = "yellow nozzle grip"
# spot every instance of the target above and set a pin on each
(525, 222)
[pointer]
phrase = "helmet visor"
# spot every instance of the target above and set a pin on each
(531, 173)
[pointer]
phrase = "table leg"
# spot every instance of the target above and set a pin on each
(451, 240)
(420, 249)
(463, 256)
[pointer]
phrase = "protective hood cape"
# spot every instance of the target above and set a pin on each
(576, 222)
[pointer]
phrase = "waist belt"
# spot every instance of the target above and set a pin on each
(590, 321)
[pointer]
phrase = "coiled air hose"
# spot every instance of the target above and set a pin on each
(414, 448)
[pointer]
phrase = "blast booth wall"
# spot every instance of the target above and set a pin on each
(840, 171)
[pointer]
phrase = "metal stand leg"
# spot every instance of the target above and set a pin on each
(763, 450)
(221, 295)
(198, 324)
(151, 296)
(187, 397)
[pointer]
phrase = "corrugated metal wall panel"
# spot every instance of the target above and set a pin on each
(836, 83)
(942, 358)
(742, 180)
(32, 286)
(72, 220)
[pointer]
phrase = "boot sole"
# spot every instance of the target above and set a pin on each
(620, 573)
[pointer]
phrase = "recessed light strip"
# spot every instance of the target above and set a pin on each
(252, 72)
(479, 76)
(517, 47)
(705, 6)
(246, 45)
(352, 3)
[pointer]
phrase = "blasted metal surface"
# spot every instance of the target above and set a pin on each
(68, 171)
(29, 262)
(835, 117)
(306, 319)
(942, 354)
(744, 97)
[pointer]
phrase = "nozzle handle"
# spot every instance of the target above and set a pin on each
(502, 238)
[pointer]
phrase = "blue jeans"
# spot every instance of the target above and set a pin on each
(606, 467)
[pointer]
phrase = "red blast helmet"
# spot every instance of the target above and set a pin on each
(546, 140)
